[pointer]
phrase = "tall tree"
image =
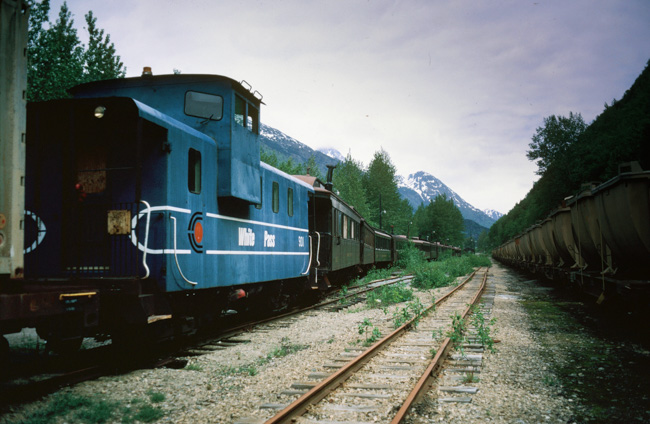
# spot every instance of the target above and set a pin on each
(312, 168)
(441, 221)
(552, 141)
(347, 182)
(101, 60)
(56, 58)
(386, 205)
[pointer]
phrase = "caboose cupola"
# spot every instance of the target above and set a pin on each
(218, 106)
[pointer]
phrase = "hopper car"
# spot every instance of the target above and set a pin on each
(148, 213)
(599, 241)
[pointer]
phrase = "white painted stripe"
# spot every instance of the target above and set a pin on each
(254, 252)
(248, 221)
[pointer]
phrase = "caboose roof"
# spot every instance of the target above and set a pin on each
(164, 80)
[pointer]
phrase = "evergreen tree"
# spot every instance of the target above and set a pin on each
(347, 182)
(56, 58)
(441, 221)
(313, 169)
(101, 61)
(386, 205)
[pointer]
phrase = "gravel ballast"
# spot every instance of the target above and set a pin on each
(527, 379)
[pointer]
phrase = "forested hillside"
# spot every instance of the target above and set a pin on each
(621, 133)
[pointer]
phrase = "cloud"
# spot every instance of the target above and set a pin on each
(454, 88)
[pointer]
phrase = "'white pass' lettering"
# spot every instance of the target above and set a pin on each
(269, 239)
(246, 237)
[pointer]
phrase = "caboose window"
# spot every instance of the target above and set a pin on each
(290, 202)
(202, 105)
(246, 115)
(194, 171)
(253, 120)
(276, 197)
(240, 110)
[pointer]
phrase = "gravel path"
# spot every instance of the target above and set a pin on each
(522, 382)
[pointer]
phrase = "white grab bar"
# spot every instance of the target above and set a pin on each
(176, 255)
(309, 264)
(146, 240)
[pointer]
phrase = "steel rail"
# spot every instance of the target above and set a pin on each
(325, 387)
(426, 381)
(230, 332)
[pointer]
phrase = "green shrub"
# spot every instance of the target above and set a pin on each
(388, 295)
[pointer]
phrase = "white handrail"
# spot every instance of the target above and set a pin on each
(309, 264)
(176, 255)
(318, 249)
(146, 240)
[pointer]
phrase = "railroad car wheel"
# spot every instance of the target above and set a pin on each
(63, 346)
(62, 336)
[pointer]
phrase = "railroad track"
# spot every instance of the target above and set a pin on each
(53, 373)
(396, 370)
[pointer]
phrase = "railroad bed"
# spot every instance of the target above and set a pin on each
(526, 380)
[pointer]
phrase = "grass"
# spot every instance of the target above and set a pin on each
(69, 407)
(470, 377)
(285, 348)
(193, 367)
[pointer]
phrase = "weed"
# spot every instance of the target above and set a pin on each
(156, 397)
(456, 334)
(148, 414)
(248, 369)
(285, 349)
(438, 334)
(371, 332)
(550, 380)
(193, 367)
(483, 328)
(97, 412)
(413, 310)
(470, 377)
(388, 295)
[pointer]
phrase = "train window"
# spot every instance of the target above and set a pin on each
(240, 110)
(194, 171)
(276, 197)
(202, 105)
(252, 123)
(259, 205)
(290, 201)
(339, 223)
(346, 233)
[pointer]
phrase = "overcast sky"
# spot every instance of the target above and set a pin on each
(453, 88)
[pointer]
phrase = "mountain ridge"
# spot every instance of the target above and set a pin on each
(418, 188)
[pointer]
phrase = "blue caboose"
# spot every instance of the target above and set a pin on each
(149, 192)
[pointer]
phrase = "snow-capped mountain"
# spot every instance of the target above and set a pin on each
(333, 153)
(417, 188)
(495, 215)
(423, 187)
(286, 147)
